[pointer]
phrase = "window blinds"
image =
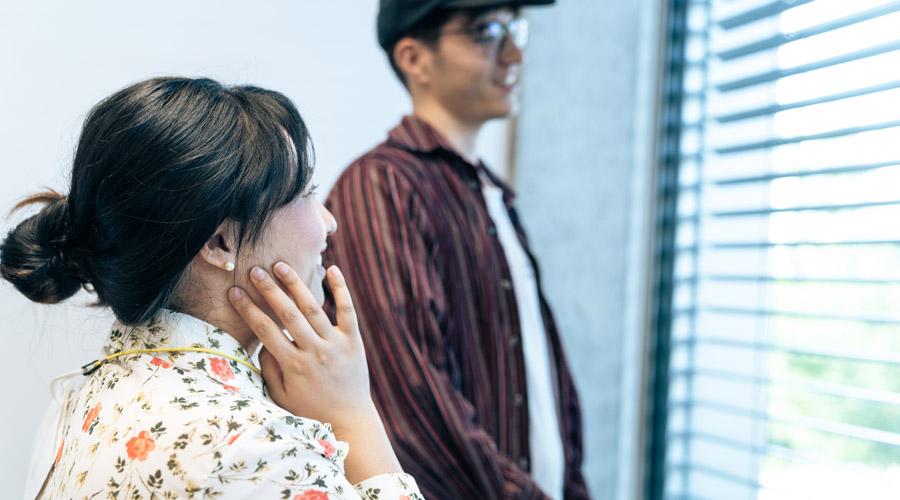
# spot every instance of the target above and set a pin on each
(783, 315)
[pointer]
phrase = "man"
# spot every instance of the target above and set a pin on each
(466, 362)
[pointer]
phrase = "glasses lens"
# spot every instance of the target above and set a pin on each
(492, 35)
(494, 30)
(518, 31)
(488, 32)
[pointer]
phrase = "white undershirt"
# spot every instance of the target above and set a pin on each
(547, 458)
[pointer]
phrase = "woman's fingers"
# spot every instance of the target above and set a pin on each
(345, 313)
(305, 300)
(292, 318)
(268, 332)
(272, 373)
(322, 373)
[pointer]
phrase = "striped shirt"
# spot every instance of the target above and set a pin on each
(439, 318)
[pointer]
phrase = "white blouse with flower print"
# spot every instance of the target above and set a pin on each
(169, 425)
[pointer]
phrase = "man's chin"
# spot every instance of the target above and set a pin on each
(507, 108)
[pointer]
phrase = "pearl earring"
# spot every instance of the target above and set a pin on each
(229, 266)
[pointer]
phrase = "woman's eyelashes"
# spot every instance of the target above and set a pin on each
(311, 191)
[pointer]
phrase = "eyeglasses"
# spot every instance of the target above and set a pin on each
(492, 35)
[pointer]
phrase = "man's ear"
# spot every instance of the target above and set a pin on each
(220, 250)
(414, 59)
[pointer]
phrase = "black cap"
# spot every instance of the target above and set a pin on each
(396, 17)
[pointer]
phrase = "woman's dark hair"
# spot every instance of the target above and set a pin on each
(159, 166)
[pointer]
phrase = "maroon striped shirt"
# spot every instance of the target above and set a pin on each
(438, 315)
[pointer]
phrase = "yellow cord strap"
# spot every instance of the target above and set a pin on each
(93, 365)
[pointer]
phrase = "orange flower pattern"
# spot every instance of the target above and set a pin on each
(160, 363)
(139, 446)
(170, 429)
(89, 419)
(58, 454)
(328, 448)
(312, 495)
(220, 367)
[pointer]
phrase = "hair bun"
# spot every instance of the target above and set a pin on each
(33, 256)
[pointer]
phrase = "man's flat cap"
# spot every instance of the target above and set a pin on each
(397, 17)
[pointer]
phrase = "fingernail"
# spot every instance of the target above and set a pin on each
(235, 293)
(257, 273)
(281, 269)
(337, 272)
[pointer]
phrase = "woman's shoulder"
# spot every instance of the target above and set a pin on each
(136, 429)
(195, 392)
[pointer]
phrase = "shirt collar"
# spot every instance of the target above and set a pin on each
(171, 329)
(417, 135)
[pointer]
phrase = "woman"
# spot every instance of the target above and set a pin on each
(192, 217)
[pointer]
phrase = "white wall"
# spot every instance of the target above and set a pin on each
(584, 176)
(58, 58)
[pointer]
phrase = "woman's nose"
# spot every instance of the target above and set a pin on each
(330, 222)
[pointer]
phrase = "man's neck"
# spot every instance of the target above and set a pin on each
(459, 134)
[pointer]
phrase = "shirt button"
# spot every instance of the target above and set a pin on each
(518, 399)
(491, 230)
(523, 462)
(506, 284)
(513, 341)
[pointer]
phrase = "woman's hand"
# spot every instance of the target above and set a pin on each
(322, 374)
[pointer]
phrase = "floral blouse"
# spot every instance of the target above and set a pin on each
(172, 425)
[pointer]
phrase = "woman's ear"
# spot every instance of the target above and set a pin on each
(220, 250)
